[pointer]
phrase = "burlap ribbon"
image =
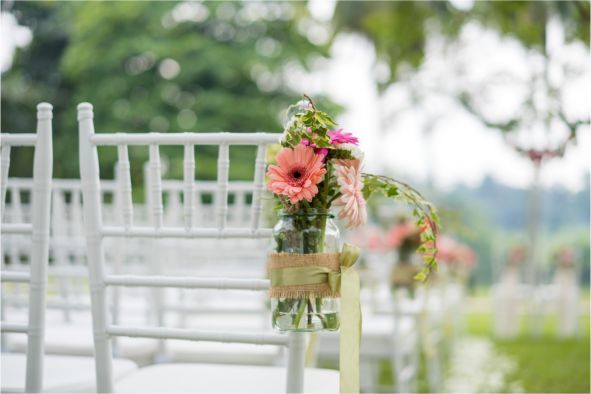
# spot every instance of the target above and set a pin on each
(326, 275)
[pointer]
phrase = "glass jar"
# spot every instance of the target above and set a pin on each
(306, 232)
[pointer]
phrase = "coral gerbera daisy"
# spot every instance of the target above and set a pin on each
(351, 201)
(297, 174)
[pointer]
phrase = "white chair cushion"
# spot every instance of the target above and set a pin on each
(77, 341)
(208, 378)
(222, 353)
(61, 374)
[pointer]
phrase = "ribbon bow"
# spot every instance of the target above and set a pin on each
(326, 274)
(291, 271)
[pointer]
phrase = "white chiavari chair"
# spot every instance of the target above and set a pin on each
(182, 377)
(38, 230)
(33, 371)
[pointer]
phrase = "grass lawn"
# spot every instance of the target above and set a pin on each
(544, 364)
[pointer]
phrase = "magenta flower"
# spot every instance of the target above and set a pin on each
(320, 151)
(338, 137)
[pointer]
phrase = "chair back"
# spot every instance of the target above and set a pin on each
(38, 229)
(96, 232)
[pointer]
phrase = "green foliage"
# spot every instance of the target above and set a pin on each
(398, 29)
(526, 20)
(310, 124)
(112, 54)
(424, 212)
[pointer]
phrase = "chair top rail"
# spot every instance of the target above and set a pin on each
(15, 276)
(14, 327)
(182, 232)
(59, 183)
(16, 228)
(187, 282)
(199, 335)
(18, 139)
(185, 138)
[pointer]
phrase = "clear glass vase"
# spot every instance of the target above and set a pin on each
(305, 233)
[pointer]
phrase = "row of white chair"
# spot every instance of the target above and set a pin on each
(121, 375)
(390, 333)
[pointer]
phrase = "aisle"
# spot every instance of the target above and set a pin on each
(477, 367)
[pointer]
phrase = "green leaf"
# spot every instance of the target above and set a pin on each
(424, 212)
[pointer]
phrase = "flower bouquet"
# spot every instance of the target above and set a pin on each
(318, 169)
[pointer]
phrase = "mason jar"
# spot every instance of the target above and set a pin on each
(308, 232)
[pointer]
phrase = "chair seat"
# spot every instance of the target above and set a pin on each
(222, 353)
(77, 341)
(61, 374)
(209, 378)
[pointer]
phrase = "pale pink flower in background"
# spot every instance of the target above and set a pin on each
(399, 233)
(297, 173)
(338, 137)
(351, 201)
(450, 251)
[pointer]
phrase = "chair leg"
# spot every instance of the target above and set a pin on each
(295, 362)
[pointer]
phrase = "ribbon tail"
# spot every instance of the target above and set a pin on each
(310, 357)
(350, 332)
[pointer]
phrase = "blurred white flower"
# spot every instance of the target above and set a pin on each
(356, 152)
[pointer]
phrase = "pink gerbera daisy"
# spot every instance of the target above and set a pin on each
(297, 174)
(352, 203)
(338, 137)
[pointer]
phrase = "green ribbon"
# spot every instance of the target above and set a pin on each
(346, 282)
(350, 320)
(312, 275)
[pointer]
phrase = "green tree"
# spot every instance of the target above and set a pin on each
(158, 66)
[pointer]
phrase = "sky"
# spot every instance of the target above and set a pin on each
(435, 139)
(438, 140)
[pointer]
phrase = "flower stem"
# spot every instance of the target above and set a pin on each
(318, 301)
(299, 313)
(310, 312)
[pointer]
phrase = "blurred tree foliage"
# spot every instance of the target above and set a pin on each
(162, 66)
(399, 30)
(527, 20)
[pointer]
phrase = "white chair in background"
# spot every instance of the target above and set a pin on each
(68, 329)
(391, 332)
(35, 372)
(181, 377)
